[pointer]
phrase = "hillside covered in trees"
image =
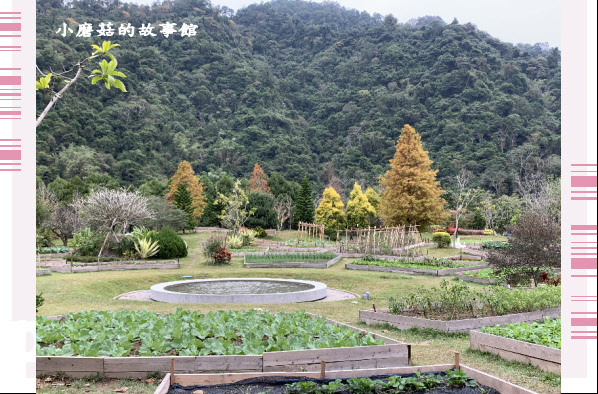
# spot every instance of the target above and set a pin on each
(305, 89)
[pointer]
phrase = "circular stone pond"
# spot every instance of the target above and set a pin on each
(239, 291)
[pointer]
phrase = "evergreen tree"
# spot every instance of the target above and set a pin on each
(258, 181)
(359, 209)
(411, 193)
(373, 198)
(183, 200)
(331, 211)
(264, 215)
(185, 174)
(304, 204)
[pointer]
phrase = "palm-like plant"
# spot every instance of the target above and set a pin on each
(146, 248)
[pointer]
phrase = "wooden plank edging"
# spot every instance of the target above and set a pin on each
(543, 357)
(445, 271)
(164, 385)
(464, 325)
(501, 385)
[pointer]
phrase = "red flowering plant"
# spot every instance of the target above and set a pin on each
(550, 279)
(222, 257)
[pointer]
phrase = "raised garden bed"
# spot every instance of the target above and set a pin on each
(543, 357)
(410, 266)
(114, 266)
(328, 260)
(41, 272)
(385, 352)
(462, 325)
(470, 276)
(241, 252)
(457, 308)
(538, 343)
(277, 382)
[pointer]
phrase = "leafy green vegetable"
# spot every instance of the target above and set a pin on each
(546, 333)
(189, 333)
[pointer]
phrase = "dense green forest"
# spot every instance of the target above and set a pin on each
(305, 89)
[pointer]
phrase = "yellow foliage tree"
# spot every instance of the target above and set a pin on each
(185, 174)
(373, 198)
(359, 209)
(258, 181)
(411, 193)
(331, 212)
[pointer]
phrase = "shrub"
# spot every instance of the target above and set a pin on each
(222, 257)
(213, 246)
(234, 241)
(39, 301)
(171, 244)
(248, 236)
(488, 232)
(439, 230)
(86, 243)
(126, 246)
(495, 245)
(91, 259)
(146, 248)
(442, 240)
(260, 232)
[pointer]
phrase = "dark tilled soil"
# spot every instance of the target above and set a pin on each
(277, 385)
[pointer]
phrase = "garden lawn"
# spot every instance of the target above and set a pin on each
(96, 291)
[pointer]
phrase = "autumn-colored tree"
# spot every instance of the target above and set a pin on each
(359, 209)
(411, 193)
(185, 174)
(373, 198)
(258, 181)
(331, 212)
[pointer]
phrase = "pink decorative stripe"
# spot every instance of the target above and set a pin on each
(10, 27)
(583, 313)
(581, 247)
(583, 165)
(583, 264)
(10, 146)
(584, 321)
(12, 80)
(583, 254)
(9, 69)
(584, 227)
(583, 191)
(10, 112)
(584, 234)
(11, 140)
(10, 164)
(583, 337)
(583, 181)
(584, 198)
(10, 169)
(584, 276)
(10, 155)
(10, 94)
(10, 35)
(584, 332)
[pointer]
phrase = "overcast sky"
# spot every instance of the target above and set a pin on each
(526, 21)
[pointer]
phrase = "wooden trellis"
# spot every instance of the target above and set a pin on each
(400, 240)
(310, 231)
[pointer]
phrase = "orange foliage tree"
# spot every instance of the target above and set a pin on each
(258, 181)
(185, 174)
(411, 192)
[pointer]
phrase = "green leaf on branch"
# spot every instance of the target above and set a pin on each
(44, 82)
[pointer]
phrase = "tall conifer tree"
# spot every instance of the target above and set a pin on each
(304, 208)
(185, 174)
(359, 209)
(183, 200)
(258, 181)
(331, 211)
(411, 192)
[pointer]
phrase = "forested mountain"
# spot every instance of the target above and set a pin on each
(305, 89)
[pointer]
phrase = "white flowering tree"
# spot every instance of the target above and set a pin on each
(113, 211)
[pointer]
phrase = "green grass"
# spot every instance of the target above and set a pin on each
(95, 291)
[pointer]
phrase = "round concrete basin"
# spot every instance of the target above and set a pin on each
(239, 291)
